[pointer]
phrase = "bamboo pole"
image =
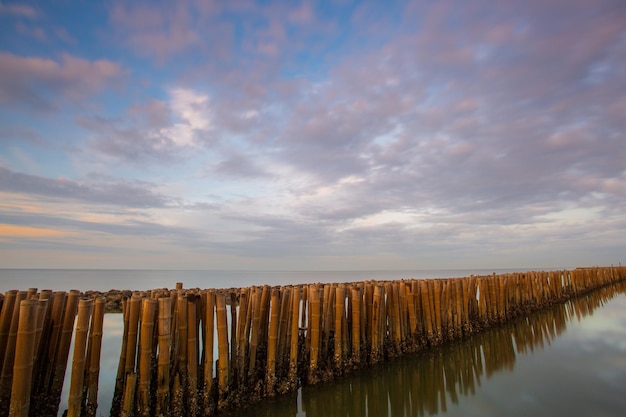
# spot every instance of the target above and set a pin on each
(254, 338)
(340, 312)
(145, 355)
(314, 329)
(222, 337)
(209, 337)
(356, 325)
(24, 359)
(6, 376)
(134, 305)
(376, 307)
(85, 307)
(163, 367)
(92, 373)
(243, 332)
(192, 357)
(128, 402)
(5, 321)
(270, 376)
(293, 351)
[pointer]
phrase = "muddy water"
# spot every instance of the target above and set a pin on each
(569, 360)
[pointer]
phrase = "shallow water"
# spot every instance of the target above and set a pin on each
(559, 362)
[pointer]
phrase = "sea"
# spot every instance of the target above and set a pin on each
(127, 279)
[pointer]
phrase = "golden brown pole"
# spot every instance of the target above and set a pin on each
(340, 311)
(128, 403)
(209, 337)
(356, 326)
(314, 328)
(293, 353)
(134, 305)
(75, 401)
(376, 313)
(93, 356)
(222, 338)
(192, 357)
(24, 359)
(145, 355)
(165, 344)
(7, 369)
(270, 376)
(5, 321)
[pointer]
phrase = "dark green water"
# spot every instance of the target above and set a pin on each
(569, 360)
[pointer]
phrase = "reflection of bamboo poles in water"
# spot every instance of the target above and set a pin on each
(272, 340)
(427, 383)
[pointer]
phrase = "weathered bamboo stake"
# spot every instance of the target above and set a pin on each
(63, 350)
(243, 332)
(192, 356)
(376, 312)
(255, 334)
(222, 338)
(75, 401)
(231, 299)
(92, 373)
(134, 305)
(120, 379)
(314, 329)
(426, 309)
(367, 306)
(128, 402)
(340, 311)
(396, 316)
(283, 329)
(270, 376)
(5, 321)
(145, 355)
(356, 325)
(410, 302)
(327, 318)
(264, 311)
(24, 359)
(6, 376)
(293, 351)
(181, 343)
(163, 371)
(209, 337)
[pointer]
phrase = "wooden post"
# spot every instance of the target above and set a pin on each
(314, 329)
(209, 337)
(24, 359)
(6, 376)
(134, 305)
(222, 338)
(356, 325)
(92, 373)
(293, 351)
(165, 342)
(75, 401)
(192, 357)
(62, 353)
(145, 355)
(128, 402)
(270, 376)
(376, 312)
(5, 321)
(340, 312)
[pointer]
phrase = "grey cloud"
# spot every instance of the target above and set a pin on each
(126, 194)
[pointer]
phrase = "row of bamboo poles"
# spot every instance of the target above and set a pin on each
(430, 383)
(36, 330)
(198, 352)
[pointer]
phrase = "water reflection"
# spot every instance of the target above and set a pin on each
(431, 382)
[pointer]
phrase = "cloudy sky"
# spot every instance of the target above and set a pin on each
(312, 134)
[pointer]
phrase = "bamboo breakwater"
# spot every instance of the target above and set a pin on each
(200, 352)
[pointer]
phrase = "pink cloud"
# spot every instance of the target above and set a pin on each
(31, 79)
(19, 10)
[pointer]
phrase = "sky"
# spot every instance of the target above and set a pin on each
(312, 135)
